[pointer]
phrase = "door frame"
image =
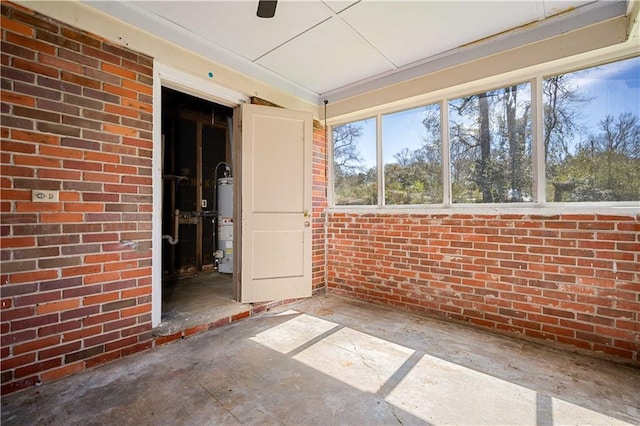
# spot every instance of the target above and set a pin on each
(173, 78)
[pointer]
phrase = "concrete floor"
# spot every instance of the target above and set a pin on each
(197, 299)
(329, 360)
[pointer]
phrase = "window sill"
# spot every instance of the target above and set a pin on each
(623, 209)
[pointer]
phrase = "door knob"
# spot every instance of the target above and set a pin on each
(307, 224)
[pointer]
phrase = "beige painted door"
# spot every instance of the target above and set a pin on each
(275, 240)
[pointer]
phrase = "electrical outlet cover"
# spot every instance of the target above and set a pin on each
(44, 196)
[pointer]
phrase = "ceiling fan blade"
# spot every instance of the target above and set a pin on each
(267, 8)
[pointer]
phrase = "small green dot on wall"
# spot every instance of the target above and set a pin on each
(210, 74)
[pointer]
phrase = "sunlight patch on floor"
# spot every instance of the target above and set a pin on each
(357, 359)
(566, 413)
(294, 333)
(442, 392)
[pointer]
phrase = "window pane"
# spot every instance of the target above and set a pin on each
(490, 142)
(592, 133)
(354, 163)
(412, 156)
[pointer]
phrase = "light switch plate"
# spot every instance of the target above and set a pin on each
(44, 196)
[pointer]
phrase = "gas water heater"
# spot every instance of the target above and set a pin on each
(224, 254)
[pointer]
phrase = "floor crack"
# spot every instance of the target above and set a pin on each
(366, 364)
(380, 383)
(269, 415)
(362, 358)
(220, 403)
(393, 411)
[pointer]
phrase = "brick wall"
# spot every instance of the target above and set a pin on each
(76, 118)
(319, 208)
(572, 279)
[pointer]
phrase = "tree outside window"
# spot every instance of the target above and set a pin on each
(354, 164)
(412, 156)
(592, 133)
(490, 146)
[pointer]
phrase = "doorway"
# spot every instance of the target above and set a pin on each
(197, 182)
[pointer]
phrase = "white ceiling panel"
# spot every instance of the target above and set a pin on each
(329, 55)
(426, 28)
(344, 47)
(234, 24)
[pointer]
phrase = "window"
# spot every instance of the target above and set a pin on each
(354, 163)
(490, 145)
(582, 145)
(592, 133)
(412, 156)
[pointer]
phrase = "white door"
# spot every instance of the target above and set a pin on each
(275, 211)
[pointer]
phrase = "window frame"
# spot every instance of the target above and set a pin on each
(381, 155)
(330, 163)
(531, 83)
(535, 77)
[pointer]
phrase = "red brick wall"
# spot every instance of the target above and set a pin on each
(319, 207)
(76, 118)
(572, 279)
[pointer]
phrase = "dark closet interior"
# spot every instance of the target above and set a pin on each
(196, 152)
(196, 138)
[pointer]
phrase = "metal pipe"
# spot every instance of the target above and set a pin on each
(173, 240)
(230, 138)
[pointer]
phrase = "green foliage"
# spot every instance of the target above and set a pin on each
(606, 167)
(413, 182)
(356, 188)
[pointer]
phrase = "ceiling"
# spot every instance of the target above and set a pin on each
(319, 49)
